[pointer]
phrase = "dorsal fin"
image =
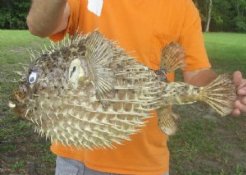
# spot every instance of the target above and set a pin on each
(99, 54)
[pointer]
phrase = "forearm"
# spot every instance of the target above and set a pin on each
(45, 16)
(200, 77)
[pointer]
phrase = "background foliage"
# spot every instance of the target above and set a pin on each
(13, 13)
(227, 15)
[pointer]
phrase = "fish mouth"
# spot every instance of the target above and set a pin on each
(11, 105)
(17, 103)
(18, 97)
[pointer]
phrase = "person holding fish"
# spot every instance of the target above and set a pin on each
(142, 28)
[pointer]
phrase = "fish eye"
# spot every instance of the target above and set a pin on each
(32, 77)
(76, 72)
(73, 70)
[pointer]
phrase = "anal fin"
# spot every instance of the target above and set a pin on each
(167, 120)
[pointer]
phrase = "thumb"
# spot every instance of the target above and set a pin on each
(237, 78)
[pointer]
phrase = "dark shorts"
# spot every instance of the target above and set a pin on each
(66, 166)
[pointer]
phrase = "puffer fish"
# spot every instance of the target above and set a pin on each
(88, 92)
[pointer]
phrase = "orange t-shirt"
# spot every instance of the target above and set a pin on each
(142, 28)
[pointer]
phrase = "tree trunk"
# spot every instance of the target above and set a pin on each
(210, 6)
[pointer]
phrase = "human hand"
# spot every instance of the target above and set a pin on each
(240, 103)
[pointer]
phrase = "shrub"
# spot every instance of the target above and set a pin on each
(13, 14)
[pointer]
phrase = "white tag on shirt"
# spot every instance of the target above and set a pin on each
(95, 6)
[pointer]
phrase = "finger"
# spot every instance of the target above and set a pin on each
(236, 112)
(242, 85)
(237, 78)
(240, 106)
(243, 100)
(241, 91)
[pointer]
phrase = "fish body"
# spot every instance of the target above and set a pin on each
(90, 93)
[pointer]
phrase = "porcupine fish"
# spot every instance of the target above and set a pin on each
(88, 92)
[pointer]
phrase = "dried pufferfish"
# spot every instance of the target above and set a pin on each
(89, 93)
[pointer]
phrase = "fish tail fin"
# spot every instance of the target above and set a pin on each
(167, 120)
(172, 57)
(220, 94)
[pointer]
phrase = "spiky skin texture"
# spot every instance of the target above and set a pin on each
(89, 93)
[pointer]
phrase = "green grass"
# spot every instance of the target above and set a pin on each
(205, 144)
(15, 44)
(227, 51)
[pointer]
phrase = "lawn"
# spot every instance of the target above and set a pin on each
(205, 143)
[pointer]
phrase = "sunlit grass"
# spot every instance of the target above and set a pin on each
(227, 51)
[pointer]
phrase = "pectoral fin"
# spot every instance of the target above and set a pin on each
(99, 55)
